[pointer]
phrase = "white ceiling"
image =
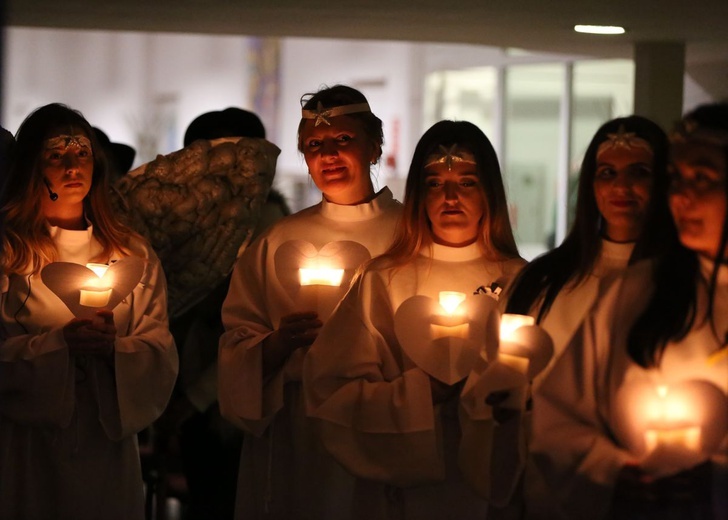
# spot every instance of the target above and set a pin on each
(540, 25)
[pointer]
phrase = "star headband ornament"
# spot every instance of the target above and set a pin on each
(449, 156)
(623, 139)
(65, 141)
(322, 115)
(689, 130)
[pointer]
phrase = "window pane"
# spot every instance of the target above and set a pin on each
(602, 90)
(462, 95)
(533, 96)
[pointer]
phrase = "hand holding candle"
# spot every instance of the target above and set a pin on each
(91, 337)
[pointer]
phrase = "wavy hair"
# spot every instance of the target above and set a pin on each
(26, 241)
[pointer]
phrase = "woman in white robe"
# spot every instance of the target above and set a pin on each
(270, 319)
(651, 357)
(383, 386)
(621, 217)
(621, 200)
(74, 391)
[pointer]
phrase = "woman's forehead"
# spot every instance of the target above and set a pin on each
(337, 125)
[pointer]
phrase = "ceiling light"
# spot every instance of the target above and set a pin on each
(599, 29)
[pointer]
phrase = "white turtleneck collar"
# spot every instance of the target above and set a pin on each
(358, 212)
(617, 250)
(452, 254)
(75, 245)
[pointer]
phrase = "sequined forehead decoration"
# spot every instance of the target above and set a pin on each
(689, 130)
(625, 140)
(322, 115)
(450, 156)
(65, 141)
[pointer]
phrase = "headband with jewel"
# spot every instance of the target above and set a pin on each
(689, 130)
(65, 141)
(322, 115)
(623, 139)
(449, 156)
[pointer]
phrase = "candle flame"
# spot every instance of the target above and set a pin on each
(510, 322)
(98, 269)
(321, 276)
(449, 300)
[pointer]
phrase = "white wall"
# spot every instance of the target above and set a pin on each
(124, 81)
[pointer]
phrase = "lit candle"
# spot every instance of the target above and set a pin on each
(95, 293)
(453, 322)
(321, 276)
(669, 426)
(509, 323)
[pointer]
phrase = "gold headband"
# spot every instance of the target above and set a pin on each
(322, 115)
(689, 130)
(448, 156)
(623, 139)
(65, 141)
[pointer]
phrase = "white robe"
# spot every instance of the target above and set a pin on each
(567, 312)
(68, 447)
(374, 403)
(584, 415)
(283, 471)
(573, 303)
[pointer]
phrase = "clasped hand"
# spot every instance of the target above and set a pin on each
(91, 337)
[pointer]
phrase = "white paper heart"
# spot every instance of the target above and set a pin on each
(693, 403)
(296, 254)
(448, 359)
(66, 280)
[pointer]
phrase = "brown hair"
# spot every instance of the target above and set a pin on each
(26, 241)
(414, 232)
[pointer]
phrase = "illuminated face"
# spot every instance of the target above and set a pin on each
(67, 164)
(622, 187)
(338, 158)
(698, 196)
(454, 202)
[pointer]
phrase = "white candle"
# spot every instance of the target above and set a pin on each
(98, 269)
(510, 322)
(669, 426)
(95, 297)
(453, 322)
(95, 293)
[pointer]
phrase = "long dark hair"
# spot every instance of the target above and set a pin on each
(26, 241)
(496, 237)
(570, 263)
(673, 307)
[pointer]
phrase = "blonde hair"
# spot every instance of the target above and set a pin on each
(27, 245)
(413, 233)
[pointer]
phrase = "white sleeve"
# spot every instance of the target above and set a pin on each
(375, 418)
(245, 398)
(572, 444)
(134, 391)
